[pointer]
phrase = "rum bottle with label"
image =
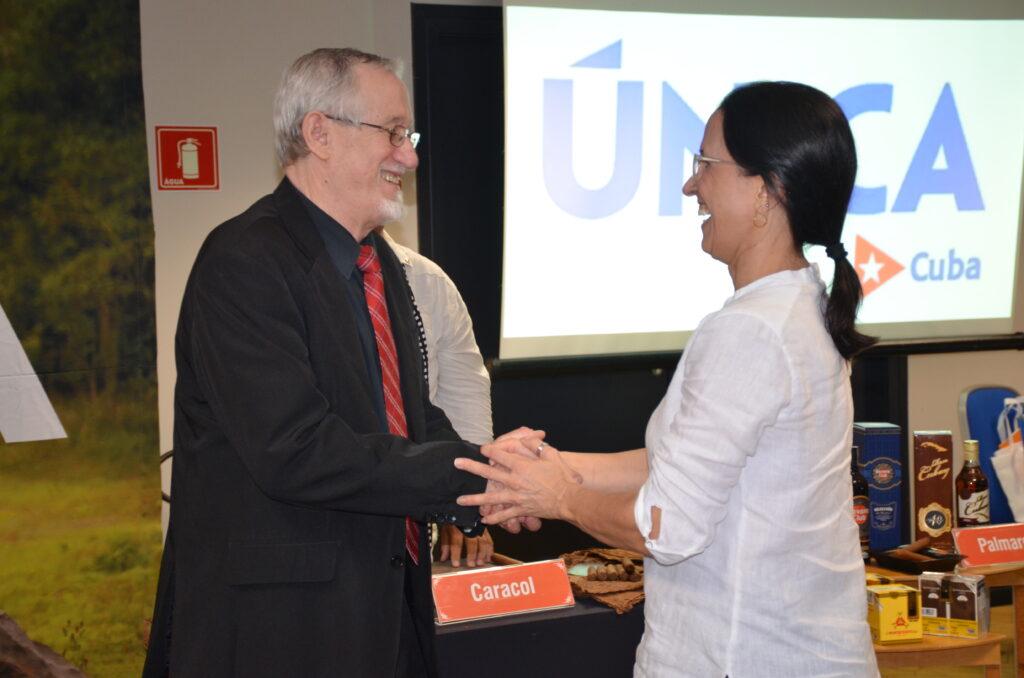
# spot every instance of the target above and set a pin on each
(861, 505)
(972, 507)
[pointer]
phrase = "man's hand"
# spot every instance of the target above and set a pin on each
(478, 549)
(513, 525)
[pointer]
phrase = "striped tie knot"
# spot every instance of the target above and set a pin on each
(368, 261)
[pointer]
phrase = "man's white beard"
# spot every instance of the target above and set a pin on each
(392, 210)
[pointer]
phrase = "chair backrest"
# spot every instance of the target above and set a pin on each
(979, 410)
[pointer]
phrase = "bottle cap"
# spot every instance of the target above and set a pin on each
(971, 450)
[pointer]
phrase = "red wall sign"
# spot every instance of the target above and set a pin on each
(186, 158)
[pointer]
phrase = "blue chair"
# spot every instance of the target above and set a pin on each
(980, 407)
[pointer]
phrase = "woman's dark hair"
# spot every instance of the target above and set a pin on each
(798, 140)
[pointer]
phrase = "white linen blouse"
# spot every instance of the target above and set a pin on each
(756, 570)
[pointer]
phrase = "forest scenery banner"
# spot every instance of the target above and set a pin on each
(79, 477)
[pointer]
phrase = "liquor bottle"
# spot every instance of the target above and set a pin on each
(972, 507)
(861, 506)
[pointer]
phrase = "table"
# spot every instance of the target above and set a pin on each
(935, 651)
(995, 575)
(588, 639)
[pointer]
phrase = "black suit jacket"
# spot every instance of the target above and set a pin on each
(285, 550)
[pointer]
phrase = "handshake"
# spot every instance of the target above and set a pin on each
(527, 480)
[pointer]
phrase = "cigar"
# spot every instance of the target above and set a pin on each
(907, 554)
(910, 551)
(918, 545)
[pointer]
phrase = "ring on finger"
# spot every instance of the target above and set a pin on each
(540, 447)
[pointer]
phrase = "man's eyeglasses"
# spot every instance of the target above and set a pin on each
(396, 134)
(702, 161)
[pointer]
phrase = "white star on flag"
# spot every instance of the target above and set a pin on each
(871, 269)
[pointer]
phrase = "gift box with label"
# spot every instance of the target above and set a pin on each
(882, 463)
(954, 604)
(932, 467)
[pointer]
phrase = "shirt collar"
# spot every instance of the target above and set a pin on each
(342, 247)
(400, 251)
(808, 275)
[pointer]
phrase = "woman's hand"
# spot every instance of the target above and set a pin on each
(533, 485)
(513, 442)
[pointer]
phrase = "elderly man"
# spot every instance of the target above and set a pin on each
(307, 454)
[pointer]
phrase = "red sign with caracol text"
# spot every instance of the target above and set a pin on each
(495, 591)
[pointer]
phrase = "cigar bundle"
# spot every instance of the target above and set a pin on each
(614, 576)
(623, 571)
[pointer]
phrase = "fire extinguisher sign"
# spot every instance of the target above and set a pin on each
(186, 159)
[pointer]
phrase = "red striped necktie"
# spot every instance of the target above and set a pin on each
(376, 302)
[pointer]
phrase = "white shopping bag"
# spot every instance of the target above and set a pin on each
(1008, 461)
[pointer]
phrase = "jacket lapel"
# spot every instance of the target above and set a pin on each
(329, 290)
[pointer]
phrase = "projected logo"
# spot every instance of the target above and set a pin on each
(681, 129)
(874, 266)
(941, 162)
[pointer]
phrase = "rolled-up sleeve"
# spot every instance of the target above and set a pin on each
(735, 381)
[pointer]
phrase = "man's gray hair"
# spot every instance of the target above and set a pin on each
(322, 80)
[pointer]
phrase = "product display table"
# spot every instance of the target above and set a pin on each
(995, 575)
(934, 651)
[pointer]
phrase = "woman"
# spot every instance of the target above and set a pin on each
(741, 501)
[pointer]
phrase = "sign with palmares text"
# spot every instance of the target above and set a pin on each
(990, 544)
(498, 591)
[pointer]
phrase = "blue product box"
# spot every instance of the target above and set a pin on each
(882, 461)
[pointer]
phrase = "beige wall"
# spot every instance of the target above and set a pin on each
(218, 64)
(936, 382)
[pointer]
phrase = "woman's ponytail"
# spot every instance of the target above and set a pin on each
(841, 310)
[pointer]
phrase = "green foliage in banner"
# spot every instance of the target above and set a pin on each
(79, 518)
(76, 234)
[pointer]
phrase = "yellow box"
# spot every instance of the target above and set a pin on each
(954, 604)
(894, 614)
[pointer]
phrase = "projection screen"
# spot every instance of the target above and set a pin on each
(604, 110)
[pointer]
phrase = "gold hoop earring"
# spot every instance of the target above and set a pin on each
(761, 215)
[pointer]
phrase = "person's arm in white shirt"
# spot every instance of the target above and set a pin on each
(463, 384)
(735, 382)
